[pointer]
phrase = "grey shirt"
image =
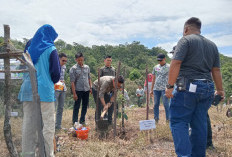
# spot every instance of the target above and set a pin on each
(198, 55)
(161, 76)
(106, 85)
(107, 71)
(81, 76)
(140, 92)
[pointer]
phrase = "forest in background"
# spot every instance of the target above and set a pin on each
(134, 57)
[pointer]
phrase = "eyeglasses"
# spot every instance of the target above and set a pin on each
(64, 60)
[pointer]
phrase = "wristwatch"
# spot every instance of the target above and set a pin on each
(168, 86)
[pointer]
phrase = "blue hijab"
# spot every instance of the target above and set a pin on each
(42, 40)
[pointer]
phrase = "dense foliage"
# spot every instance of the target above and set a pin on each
(134, 58)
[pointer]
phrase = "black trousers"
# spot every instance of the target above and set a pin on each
(107, 99)
(84, 98)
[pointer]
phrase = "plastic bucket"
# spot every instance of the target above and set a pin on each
(82, 134)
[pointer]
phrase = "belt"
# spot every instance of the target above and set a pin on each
(201, 80)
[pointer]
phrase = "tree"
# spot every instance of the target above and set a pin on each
(134, 74)
(227, 79)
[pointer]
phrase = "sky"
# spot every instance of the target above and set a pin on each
(99, 22)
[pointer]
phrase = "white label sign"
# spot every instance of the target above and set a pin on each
(192, 88)
(14, 114)
(147, 124)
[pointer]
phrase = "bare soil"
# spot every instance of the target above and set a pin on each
(129, 143)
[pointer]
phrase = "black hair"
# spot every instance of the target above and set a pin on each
(120, 79)
(62, 55)
(108, 56)
(78, 55)
(194, 21)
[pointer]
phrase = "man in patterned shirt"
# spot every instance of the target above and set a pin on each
(159, 82)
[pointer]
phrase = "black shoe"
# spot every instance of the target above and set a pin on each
(211, 147)
(156, 121)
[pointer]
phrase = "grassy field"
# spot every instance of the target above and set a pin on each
(134, 143)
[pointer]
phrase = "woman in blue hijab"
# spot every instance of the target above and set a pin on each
(46, 61)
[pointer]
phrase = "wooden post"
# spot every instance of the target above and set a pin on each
(123, 107)
(38, 126)
(98, 89)
(147, 93)
(7, 127)
(115, 98)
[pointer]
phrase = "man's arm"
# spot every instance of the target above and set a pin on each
(217, 77)
(90, 85)
(172, 76)
(54, 66)
(152, 84)
(74, 91)
(72, 80)
(102, 92)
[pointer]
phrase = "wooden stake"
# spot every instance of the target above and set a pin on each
(147, 93)
(38, 126)
(98, 89)
(123, 107)
(115, 98)
(7, 127)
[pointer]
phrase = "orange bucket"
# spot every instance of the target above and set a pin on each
(82, 134)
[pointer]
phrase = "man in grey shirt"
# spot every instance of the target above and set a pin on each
(107, 85)
(81, 87)
(140, 93)
(195, 59)
(108, 70)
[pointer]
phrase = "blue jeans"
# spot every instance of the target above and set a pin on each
(188, 108)
(157, 95)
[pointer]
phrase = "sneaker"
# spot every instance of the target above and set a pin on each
(57, 128)
(83, 124)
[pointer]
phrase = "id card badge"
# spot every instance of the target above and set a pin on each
(192, 88)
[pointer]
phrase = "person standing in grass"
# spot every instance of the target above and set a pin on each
(140, 94)
(159, 82)
(46, 62)
(60, 93)
(81, 87)
(194, 66)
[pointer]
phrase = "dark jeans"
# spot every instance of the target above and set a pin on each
(209, 132)
(107, 99)
(191, 108)
(140, 101)
(157, 95)
(84, 97)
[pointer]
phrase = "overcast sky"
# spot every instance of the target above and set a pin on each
(100, 22)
